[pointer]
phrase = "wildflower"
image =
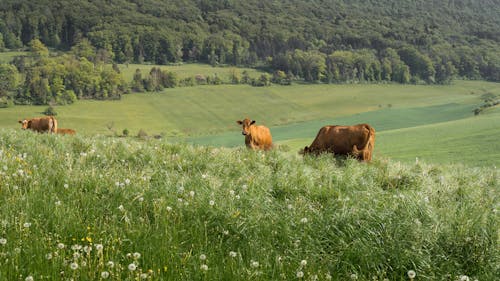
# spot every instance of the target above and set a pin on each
(121, 208)
(132, 267)
(233, 254)
(254, 264)
(169, 209)
(203, 257)
(76, 247)
(237, 197)
(231, 192)
(191, 193)
(328, 276)
(127, 181)
(104, 275)
(73, 266)
(137, 255)
(27, 224)
(58, 203)
(211, 202)
(3, 241)
(144, 276)
(61, 246)
(29, 278)
(48, 256)
(99, 247)
(300, 274)
(111, 264)
(244, 187)
(464, 278)
(204, 176)
(303, 220)
(66, 185)
(411, 274)
(204, 267)
(354, 276)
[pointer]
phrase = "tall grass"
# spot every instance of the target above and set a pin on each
(92, 208)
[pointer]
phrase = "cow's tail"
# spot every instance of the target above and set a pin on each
(54, 125)
(367, 152)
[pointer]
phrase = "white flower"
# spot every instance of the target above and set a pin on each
(191, 193)
(464, 278)
(137, 255)
(29, 278)
(132, 267)
(169, 209)
(328, 276)
(233, 254)
(237, 196)
(104, 275)
(231, 192)
(66, 185)
(144, 276)
(254, 264)
(121, 208)
(411, 274)
(3, 241)
(60, 246)
(48, 256)
(303, 220)
(204, 176)
(203, 257)
(303, 263)
(354, 276)
(73, 266)
(300, 274)
(211, 202)
(111, 264)
(27, 224)
(58, 203)
(244, 187)
(99, 247)
(204, 267)
(127, 181)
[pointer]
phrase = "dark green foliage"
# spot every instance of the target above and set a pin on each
(435, 39)
(50, 111)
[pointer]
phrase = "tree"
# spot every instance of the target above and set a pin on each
(8, 79)
(84, 49)
(38, 49)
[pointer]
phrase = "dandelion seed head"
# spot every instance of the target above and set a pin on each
(121, 208)
(137, 255)
(99, 247)
(204, 267)
(66, 185)
(191, 193)
(48, 256)
(29, 278)
(300, 274)
(132, 267)
(411, 274)
(303, 263)
(27, 224)
(354, 276)
(111, 264)
(464, 278)
(3, 241)
(203, 257)
(169, 209)
(73, 266)
(233, 254)
(127, 181)
(144, 276)
(211, 202)
(104, 275)
(254, 264)
(61, 246)
(303, 220)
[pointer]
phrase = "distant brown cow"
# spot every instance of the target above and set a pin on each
(357, 141)
(256, 137)
(40, 124)
(62, 131)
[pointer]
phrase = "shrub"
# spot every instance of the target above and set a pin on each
(50, 111)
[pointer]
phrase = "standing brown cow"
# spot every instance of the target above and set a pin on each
(40, 124)
(357, 140)
(256, 137)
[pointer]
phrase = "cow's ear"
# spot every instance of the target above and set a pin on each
(253, 122)
(239, 122)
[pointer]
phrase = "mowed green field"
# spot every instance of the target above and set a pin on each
(433, 123)
(186, 70)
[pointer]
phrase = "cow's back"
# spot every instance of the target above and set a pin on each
(260, 136)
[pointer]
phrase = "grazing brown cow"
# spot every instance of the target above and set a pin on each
(40, 124)
(256, 137)
(66, 131)
(357, 141)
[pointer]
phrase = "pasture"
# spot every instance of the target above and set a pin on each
(434, 123)
(100, 208)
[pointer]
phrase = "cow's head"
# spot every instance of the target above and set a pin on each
(25, 124)
(305, 151)
(245, 124)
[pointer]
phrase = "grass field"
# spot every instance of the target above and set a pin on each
(434, 123)
(187, 70)
(100, 208)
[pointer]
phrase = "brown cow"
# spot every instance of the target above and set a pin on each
(40, 124)
(357, 141)
(66, 131)
(256, 137)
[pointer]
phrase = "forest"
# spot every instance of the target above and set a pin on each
(328, 41)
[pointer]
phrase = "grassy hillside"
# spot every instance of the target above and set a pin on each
(92, 208)
(207, 114)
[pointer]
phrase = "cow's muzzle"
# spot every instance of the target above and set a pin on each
(243, 133)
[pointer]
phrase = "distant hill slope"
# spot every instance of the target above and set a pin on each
(244, 32)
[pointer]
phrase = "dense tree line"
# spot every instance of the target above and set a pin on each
(57, 79)
(331, 40)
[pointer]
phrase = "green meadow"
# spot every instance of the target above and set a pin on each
(429, 122)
